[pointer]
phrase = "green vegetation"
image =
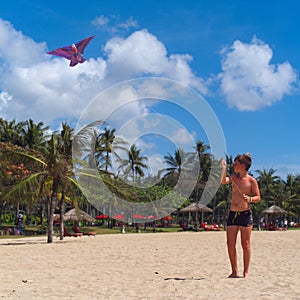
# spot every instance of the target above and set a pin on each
(37, 176)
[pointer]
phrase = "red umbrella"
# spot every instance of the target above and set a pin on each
(119, 217)
(138, 216)
(168, 218)
(102, 216)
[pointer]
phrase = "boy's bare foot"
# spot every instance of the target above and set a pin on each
(234, 275)
(245, 275)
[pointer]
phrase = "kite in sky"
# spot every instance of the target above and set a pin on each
(74, 53)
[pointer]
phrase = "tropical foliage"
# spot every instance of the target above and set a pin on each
(37, 174)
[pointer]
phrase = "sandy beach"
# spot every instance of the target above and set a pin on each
(183, 265)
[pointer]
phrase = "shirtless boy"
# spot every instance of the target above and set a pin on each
(244, 192)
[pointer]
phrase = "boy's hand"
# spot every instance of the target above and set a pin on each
(223, 163)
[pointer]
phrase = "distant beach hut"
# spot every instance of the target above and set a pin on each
(77, 215)
(274, 210)
(195, 208)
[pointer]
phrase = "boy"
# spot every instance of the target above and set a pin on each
(244, 192)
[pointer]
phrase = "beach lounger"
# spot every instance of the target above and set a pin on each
(77, 230)
(75, 234)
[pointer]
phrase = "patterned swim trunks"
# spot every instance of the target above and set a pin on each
(240, 218)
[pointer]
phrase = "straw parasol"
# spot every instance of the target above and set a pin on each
(77, 215)
(196, 207)
(274, 210)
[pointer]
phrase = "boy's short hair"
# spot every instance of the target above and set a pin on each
(244, 159)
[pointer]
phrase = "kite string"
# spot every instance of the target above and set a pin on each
(237, 186)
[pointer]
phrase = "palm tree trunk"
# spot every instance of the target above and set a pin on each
(61, 212)
(52, 208)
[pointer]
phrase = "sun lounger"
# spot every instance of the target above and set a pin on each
(77, 230)
(75, 234)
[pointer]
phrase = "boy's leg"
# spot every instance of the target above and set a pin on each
(231, 233)
(245, 240)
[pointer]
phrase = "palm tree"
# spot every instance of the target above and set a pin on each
(55, 170)
(266, 181)
(175, 162)
(204, 159)
(10, 132)
(134, 163)
(106, 145)
(34, 135)
(25, 134)
(65, 149)
(12, 171)
(291, 200)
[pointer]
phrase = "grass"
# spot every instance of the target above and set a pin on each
(34, 230)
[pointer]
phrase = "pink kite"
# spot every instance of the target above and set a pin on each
(74, 53)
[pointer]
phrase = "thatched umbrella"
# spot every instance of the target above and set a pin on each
(77, 215)
(196, 207)
(274, 210)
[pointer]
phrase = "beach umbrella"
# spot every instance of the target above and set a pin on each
(274, 210)
(77, 215)
(196, 207)
(118, 217)
(168, 218)
(102, 216)
(138, 216)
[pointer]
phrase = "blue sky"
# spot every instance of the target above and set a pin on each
(241, 56)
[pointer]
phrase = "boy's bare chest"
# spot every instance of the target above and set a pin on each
(241, 185)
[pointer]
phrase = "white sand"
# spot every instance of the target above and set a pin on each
(183, 265)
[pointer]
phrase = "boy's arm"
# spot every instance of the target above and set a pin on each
(255, 191)
(224, 179)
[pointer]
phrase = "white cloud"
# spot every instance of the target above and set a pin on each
(129, 23)
(249, 81)
(113, 25)
(38, 86)
(5, 98)
(100, 21)
(143, 54)
(156, 163)
(182, 136)
(18, 49)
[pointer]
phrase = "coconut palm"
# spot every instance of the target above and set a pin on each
(175, 163)
(181, 161)
(106, 145)
(34, 135)
(266, 182)
(65, 149)
(10, 132)
(55, 170)
(291, 200)
(134, 163)
(204, 159)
